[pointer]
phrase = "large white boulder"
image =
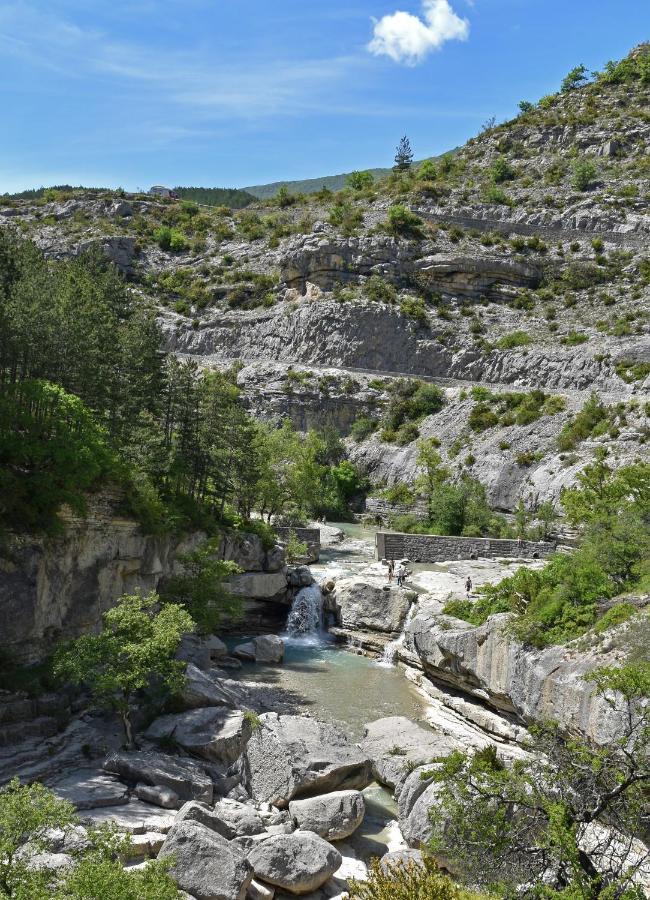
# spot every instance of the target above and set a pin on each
(371, 605)
(294, 756)
(332, 816)
(215, 733)
(206, 865)
(395, 744)
(299, 863)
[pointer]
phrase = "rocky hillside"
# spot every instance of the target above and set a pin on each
(515, 267)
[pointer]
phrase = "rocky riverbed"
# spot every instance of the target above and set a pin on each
(295, 759)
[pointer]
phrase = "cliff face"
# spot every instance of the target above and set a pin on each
(54, 589)
(488, 664)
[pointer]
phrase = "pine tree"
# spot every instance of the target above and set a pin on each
(403, 156)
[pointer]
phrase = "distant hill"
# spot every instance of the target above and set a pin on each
(307, 185)
(234, 198)
(311, 185)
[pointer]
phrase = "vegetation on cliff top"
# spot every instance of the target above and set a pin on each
(561, 601)
(560, 822)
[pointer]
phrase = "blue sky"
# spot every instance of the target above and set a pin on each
(234, 92)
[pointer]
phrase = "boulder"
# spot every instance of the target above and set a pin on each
(299, 863)
(241, 818)
(199, 812)
(332, 816)
(89, 789)
(184, 776)
(396, 743)
(293, 756)
(245, 651)
(206, 865)
(194, 650)
(203, 689)
(416, 798)
(216, 646)
(158, 795)
(214, 733)
(269, 648)
(371, 606)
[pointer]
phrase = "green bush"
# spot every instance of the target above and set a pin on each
(427, 170)
(574, 338)
(514, 339)
(360, 181)
(376, 288)
(494, 194)
(363, 427)
(409, 882)
(406, 434)
(615, 616)
(593, 413)
(584, 172)
(414, 308)
(401, 222)
(501, 170)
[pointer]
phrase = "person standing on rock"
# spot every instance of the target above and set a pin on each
(401, 573)
(468, 587)
(391, 569)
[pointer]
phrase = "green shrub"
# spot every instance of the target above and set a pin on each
(513, 340)
(401, 222)
(427, 170)
(406, 434)
(376, 288)
(482, 417)
(363, 427)
(360, 181)
(615, 616)
(414, 308)
(346, 216)
(574, 338)
(500, 170)
(582, 426)
(494, 194)
(409, 882)
(584, 172)
(398, 493)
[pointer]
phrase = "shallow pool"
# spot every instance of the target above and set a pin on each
(338, 686)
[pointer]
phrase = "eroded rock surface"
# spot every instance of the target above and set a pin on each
(292, 756)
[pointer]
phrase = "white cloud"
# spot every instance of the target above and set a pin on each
(408, 39)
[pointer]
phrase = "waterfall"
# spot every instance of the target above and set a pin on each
(389, 655)
(305, 620)
(391, 650)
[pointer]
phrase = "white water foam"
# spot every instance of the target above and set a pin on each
(305, 622)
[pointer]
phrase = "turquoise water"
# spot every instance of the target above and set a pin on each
(338, 686)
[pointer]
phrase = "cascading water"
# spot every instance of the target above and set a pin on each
(305, 620)
(391, 651)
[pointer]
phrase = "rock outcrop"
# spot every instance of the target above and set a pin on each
(298, 863)
(332, 816)
(491, 665)
(205, 864)
(363, 603)
(290, 757)
(216, 734)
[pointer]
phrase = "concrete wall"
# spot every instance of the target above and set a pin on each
(433, 548)
(311, 536)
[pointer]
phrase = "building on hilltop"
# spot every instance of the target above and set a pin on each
(159, 190)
